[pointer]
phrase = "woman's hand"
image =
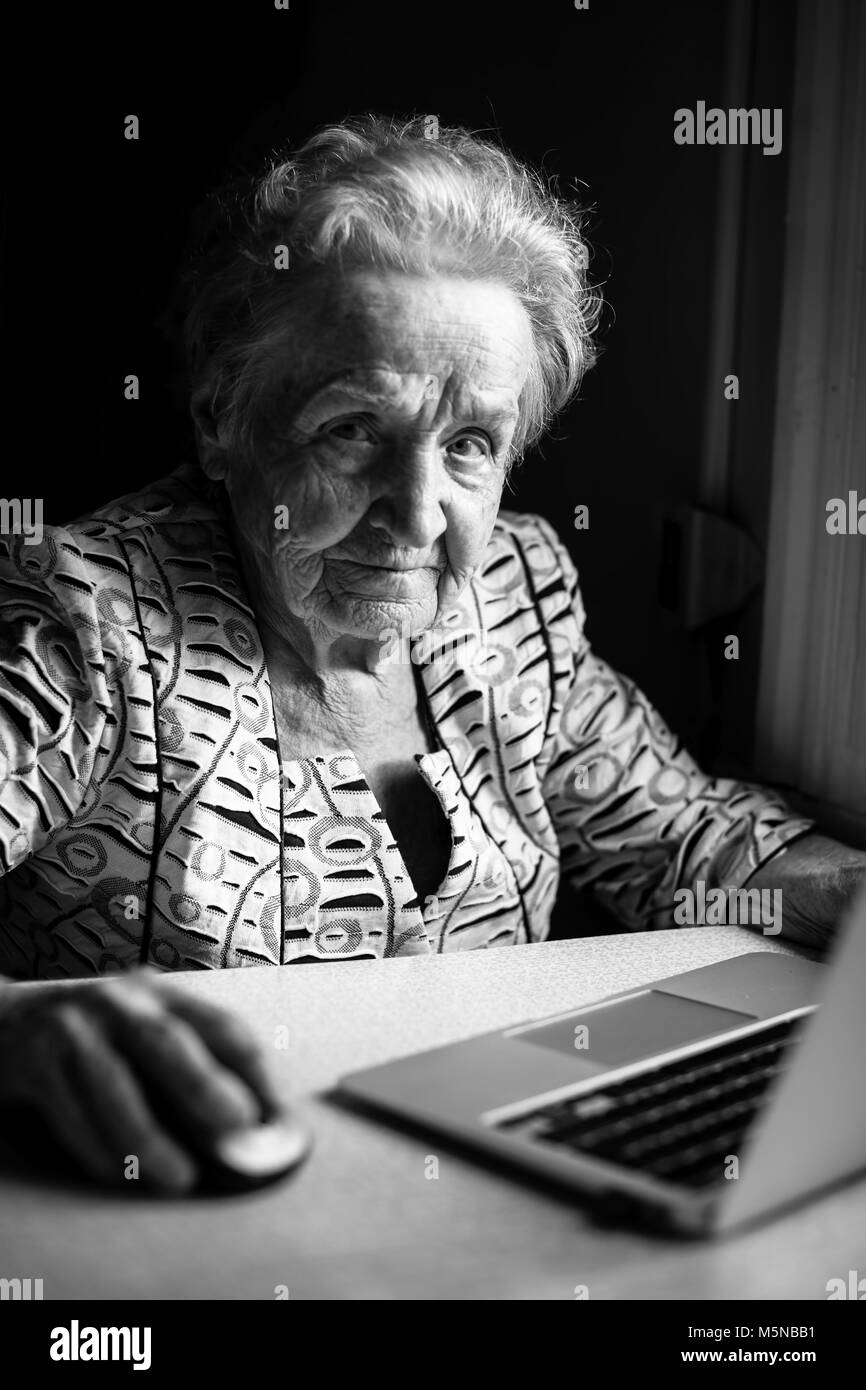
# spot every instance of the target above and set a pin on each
(103, 1061)
(819, 878)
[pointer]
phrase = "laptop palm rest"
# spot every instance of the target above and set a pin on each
(626, 1030)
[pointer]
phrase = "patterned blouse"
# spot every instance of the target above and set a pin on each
(148, 812)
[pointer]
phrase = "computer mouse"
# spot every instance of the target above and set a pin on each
(239, 1160)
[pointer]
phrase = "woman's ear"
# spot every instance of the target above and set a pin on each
(209, 436)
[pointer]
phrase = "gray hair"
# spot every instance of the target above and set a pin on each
(381, 193)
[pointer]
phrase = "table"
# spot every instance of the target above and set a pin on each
(360, 1220)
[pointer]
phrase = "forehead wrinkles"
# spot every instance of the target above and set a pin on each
(416, 326)
(491, 351)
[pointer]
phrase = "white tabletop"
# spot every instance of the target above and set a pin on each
(361, 1219)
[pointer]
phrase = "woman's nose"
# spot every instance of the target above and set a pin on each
(410, 505)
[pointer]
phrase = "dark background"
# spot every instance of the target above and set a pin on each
(96, 225)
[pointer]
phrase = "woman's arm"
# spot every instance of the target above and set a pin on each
(638, 820)
(55, 701)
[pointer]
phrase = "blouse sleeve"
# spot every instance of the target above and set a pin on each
(635, 816)
(55, 706)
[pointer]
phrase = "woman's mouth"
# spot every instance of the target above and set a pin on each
(394, 580)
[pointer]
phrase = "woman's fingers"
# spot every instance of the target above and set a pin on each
(66, 1117)
(118, 1108)
(176, 1063)
(229, 1038)
(232, 1042)
(95, 1106)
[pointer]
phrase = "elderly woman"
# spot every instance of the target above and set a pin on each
(318, 699)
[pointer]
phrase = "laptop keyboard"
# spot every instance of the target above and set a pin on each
(679, 1121)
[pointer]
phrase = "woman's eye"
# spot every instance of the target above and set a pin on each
(471, 447)
(354, 431)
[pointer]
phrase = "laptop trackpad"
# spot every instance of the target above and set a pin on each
(643, 1024)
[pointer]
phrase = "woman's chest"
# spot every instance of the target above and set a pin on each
(386, 744)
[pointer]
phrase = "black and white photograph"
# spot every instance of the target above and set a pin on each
(433, 669)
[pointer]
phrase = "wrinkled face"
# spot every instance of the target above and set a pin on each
(380, 451)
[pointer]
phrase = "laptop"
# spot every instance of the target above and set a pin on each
(693, 1105)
